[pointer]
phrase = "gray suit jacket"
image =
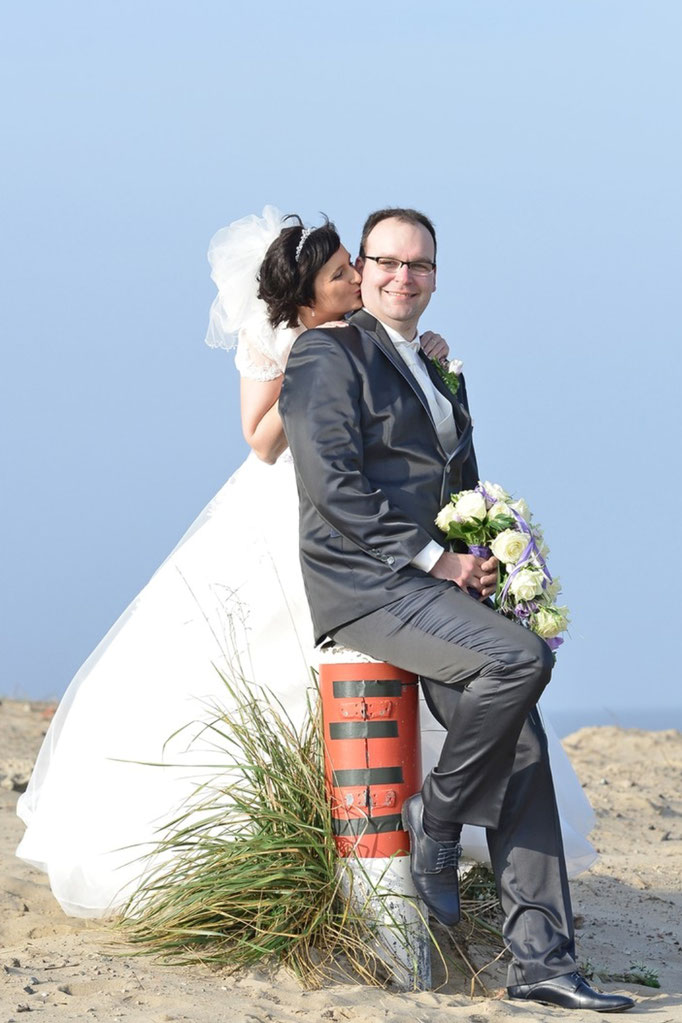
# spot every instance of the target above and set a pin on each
(371, 472)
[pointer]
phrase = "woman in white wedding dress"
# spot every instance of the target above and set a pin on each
(118, 760)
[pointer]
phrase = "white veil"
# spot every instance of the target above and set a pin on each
(235, 253)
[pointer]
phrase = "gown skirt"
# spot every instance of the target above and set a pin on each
(125, 750)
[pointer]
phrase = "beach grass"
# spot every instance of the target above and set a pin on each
(249, 873)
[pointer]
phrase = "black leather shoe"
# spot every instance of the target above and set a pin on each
(570, 991)
(433, 865)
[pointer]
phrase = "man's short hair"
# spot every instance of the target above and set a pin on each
(408, 216)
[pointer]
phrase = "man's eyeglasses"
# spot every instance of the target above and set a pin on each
(418, 267)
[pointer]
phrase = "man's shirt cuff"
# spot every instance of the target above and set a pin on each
(427, 556)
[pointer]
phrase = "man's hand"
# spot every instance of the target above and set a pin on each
(435, 346)
(468, 571)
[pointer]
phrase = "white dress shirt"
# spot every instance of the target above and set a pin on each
(441, 413)
(439, 406)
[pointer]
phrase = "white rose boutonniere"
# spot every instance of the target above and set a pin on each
(449, 373)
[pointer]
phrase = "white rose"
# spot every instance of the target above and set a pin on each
(445, 516)
(548, 622)
(552, 591)
(565, 615)
(499, 508)
(455, 366)
(526, 584)
(470, 507)
(495, 491)
(522, 508)
(508, 546)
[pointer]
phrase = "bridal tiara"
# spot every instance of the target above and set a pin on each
(299, 248)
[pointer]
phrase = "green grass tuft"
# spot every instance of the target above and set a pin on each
(250, 872)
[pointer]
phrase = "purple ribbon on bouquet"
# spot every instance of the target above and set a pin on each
(523, 609)
(485, 494)
(480, 552)
(531, 548)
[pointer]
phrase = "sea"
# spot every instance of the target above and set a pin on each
(652, 719)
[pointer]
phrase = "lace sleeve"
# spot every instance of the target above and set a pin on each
(252, 362)
(262, 352)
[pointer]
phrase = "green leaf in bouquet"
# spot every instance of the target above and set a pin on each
(473, 533)
(500, 523)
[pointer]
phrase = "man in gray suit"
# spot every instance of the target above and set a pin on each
(379, 443)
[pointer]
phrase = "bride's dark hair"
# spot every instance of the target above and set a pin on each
(287, 283)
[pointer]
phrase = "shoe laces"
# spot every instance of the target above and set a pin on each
(448, 856)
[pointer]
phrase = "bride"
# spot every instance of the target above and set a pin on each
(118, 760)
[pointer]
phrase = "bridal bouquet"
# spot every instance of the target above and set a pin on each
(490, 522)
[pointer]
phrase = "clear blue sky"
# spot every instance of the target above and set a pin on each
(545, 141)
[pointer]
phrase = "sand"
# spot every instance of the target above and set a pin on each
(628, 910)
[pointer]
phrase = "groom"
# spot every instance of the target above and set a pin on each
(379, 443)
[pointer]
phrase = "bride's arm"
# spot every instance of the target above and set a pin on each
(261, 424)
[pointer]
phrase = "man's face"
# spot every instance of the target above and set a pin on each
(399, 298)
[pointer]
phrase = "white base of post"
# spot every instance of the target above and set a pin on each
(384, 892)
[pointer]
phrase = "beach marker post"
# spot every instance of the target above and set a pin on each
(370, 716)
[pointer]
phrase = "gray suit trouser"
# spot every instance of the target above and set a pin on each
(482, 676)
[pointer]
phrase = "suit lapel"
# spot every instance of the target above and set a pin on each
(380, 338)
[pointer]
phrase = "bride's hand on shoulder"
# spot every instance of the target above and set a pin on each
(435, 346)
(332, 323)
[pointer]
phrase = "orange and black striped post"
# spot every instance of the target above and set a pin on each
(370, 717)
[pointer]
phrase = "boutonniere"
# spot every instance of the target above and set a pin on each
(449, 373)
